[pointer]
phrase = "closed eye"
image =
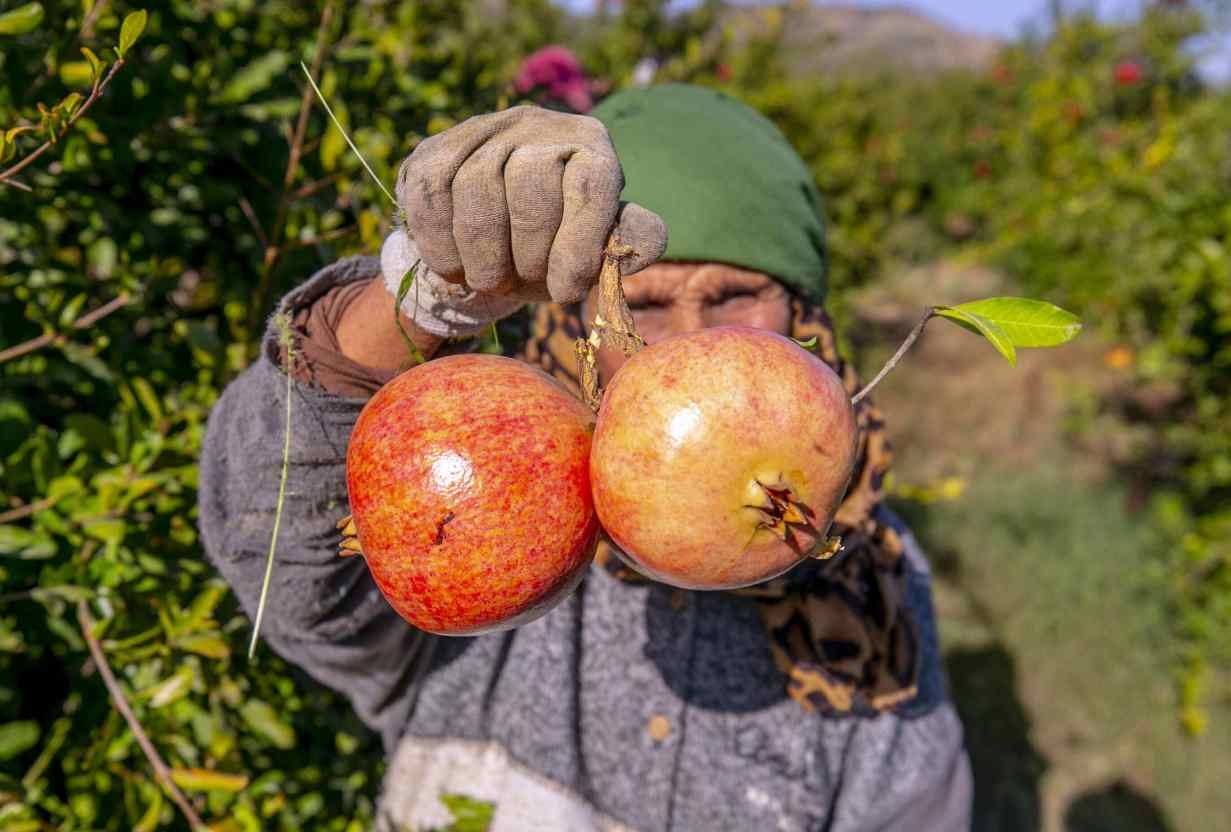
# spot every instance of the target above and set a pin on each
(642, 304)
(737, 295)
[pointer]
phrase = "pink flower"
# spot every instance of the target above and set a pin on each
(557, 73)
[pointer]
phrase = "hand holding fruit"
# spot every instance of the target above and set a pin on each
(506, 208)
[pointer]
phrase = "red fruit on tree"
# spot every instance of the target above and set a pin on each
(469, 489)
(1128, 73)
(720, 456)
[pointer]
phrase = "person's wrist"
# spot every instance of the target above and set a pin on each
(433, 304)
(368, 331)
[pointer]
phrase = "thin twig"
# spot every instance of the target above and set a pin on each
(288, 341)
(246, 207)
(26, 510)
(273, 246)
(161, 772)
(312, 187)
(327, 237)
(99, 86)
(897, 356)
(87, 25)
(84, 322)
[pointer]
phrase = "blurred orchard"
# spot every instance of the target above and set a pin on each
(141, 252)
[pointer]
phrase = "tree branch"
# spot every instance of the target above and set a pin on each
(87, 25)
(273, 248)
(97, 91)
(84, 322)
(897, 356)
(161, 772)
(25, 511)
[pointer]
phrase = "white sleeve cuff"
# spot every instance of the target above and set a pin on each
(447, 310)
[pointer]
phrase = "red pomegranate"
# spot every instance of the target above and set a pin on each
(470, 495)
(720, 456)
(1128, 73)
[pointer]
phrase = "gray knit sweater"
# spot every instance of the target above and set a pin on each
(627, 707)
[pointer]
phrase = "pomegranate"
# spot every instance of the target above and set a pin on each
(720, 456)
(1128, 73)
(470, 494)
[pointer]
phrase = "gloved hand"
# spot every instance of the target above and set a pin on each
(511, 207)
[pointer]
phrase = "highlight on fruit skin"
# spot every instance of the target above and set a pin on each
(468, 479)
(720, 457)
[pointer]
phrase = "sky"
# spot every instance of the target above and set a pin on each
(997, 17)
(1007, 18)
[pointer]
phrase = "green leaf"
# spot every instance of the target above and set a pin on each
(131, 29)
(210, 645)
(207, 780)
(149, 399)
(110, 531)
(96, 64)
(172, 689)
(253, 78)
(809, 344)
(469, 814)
(981, 326)
(333, 143)
(264, 720)
(77, 74)
(25, 544)
(408, 280)
(1026, 322)
(21, 19)
(16, 737)
(69, 103)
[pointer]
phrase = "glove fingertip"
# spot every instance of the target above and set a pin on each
(645, 232)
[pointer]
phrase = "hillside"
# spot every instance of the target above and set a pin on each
(838, 37)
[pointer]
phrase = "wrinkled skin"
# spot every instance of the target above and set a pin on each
(699, 434)
(468, 484)
(673, 298)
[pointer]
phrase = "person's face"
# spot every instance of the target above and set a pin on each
(671, 298)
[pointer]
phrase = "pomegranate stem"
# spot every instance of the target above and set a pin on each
(897, 356)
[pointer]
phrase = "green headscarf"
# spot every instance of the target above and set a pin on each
(726, 181)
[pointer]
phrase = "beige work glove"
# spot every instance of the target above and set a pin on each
(511, 207)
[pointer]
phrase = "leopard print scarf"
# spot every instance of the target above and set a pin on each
(838, 629)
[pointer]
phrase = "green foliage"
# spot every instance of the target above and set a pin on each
(136, 273)
(1091, 167)
(1008, 323)
(981, 326)
(22, 19)
(137, 264)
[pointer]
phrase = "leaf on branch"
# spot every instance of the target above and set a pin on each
(22, 19)
(16, 737)
(69, 103)
(253, 78)
(130, 30)
(1026, 322)
(206, 780)
(96, 64)
(264, 720)
(77, 74)
(210, 645)
(981, 326)
(14, 132)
